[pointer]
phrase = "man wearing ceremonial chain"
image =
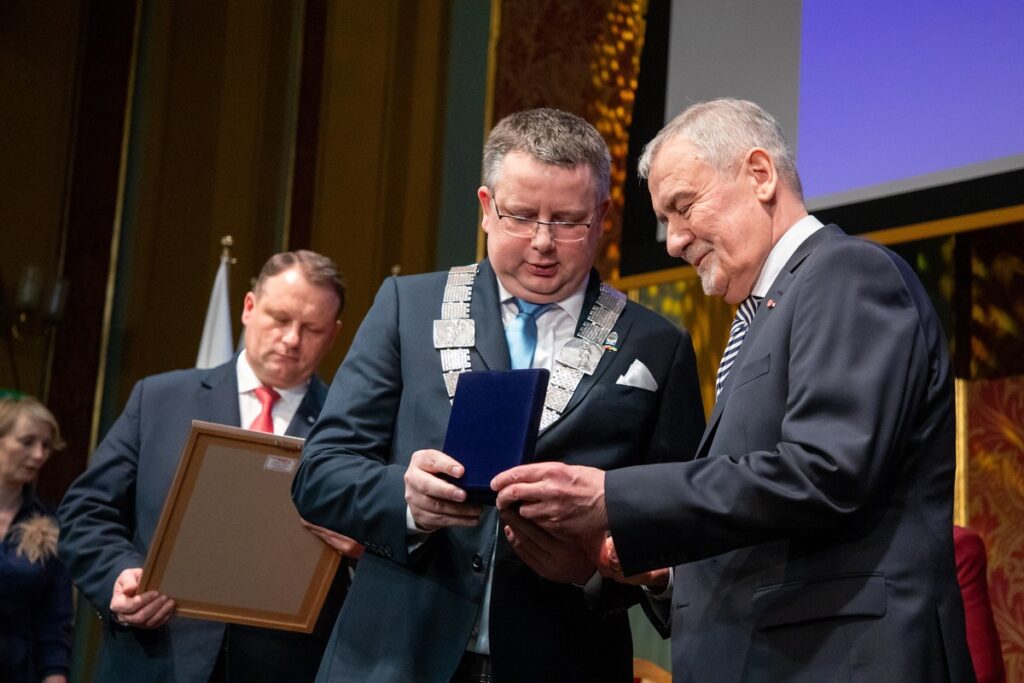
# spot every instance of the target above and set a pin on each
(440, 579)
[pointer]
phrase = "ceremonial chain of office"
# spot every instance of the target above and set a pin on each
(455, 335)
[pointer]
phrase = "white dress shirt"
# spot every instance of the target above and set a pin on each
(249, 407)
(783, 251)
(555, 326)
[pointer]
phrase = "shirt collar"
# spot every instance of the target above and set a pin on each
(782, 251)
(248, 381)
(572, 304)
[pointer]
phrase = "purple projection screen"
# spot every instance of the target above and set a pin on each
(896, 96)
(878, 98)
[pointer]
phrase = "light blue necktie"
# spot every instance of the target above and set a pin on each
(744, 314)
(521, 333)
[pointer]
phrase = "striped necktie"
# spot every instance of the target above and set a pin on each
(744, 314)
(521, 333)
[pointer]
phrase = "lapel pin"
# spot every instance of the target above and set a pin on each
(770, 303)
(611, 342)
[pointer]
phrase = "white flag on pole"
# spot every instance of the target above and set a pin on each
(217, 343)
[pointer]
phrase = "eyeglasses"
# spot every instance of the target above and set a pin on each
(561, 231)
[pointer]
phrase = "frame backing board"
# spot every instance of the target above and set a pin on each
(230, 545)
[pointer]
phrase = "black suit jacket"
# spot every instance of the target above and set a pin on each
(109, 514)
(813, 533)
(409, 617)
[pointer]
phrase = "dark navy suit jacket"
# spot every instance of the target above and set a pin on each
(35, 607)
(813, 532)
(109, 514)
(409, 617)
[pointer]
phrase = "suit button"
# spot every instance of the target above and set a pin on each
(478, 562)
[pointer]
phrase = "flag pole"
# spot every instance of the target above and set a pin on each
(217, 343)
(226, 242)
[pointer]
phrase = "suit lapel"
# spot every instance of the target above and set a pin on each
(622, 326)
(709, 431)
(776, 292)
(308, 410)
(490, 345)
(218, 395)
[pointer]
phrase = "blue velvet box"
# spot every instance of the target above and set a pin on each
(493, 426)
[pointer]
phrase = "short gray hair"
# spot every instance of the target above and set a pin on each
(550, 136)
(723, 130)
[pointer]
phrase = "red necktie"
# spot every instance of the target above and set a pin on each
(264, 422)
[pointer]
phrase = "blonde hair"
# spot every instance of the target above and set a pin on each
(13, 408)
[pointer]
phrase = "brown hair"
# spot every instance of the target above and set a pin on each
(320, 270)
(13, 408)
(550, 136)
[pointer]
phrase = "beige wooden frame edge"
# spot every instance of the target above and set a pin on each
(169, 524)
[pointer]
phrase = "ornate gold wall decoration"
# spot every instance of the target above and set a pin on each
(997, 307)
(539, 63)
(614, 70)
(995, 415)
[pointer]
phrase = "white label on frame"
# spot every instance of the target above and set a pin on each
(276, 463)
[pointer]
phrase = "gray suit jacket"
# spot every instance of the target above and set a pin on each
(109, 514)
(813, 533)
(409, 617)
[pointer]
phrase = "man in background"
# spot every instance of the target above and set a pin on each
(439, 595)
(811, 536)
(109, 514)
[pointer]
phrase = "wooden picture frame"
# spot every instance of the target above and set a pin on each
(230, 545)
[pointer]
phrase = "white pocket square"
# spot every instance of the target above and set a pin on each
(638, 376)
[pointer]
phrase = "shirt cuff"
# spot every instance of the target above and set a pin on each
(661, 593)
(416, 536)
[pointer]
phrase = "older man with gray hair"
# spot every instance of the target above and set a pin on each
(811, 536)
